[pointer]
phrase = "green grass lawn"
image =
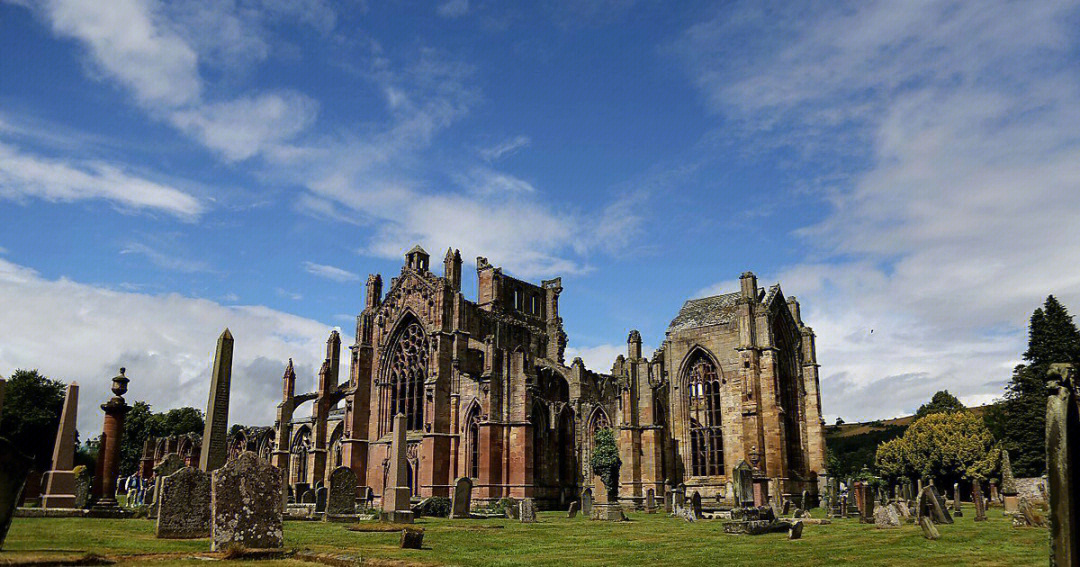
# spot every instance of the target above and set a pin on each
(557, 541)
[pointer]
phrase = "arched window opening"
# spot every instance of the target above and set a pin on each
(706, 419)
(406, 374)
(539, 421)
(472, 443)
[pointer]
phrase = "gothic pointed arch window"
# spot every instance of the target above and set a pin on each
(472, 442)
(703, 391)
(405, 375)
(597, 421)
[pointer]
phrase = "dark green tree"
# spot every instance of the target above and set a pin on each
(33, 404)
(605, 462)
(140, 424)
(1020, 421)
(942, 402)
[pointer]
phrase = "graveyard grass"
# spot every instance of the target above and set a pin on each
(556, 540)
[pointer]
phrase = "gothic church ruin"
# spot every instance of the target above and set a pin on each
(486, 394)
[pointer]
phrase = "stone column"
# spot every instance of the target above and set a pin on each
(1062, 454)
(214, 450)
(112, 433)
(60, 483)
(396, 499)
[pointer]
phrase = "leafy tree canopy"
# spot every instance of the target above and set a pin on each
(942, 402)
(944, 446)
(32, 426)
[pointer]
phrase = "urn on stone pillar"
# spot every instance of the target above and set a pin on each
(111, 434)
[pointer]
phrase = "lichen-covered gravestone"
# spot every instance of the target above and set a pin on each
(184, 505)
(245, 504)
(83, 484)
(13, 468)
(169, 465)
(528, 511)
(462, 502)
(886, 517)
(341, 498)
(930, 506)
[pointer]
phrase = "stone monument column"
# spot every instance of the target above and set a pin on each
(112, 432)
(396, 498)
(60, 483)
(214, 451)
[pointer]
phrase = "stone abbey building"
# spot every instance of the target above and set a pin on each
(487, 394)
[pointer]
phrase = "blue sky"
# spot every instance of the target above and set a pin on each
(170, 168)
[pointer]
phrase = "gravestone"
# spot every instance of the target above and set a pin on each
(320, 499)
(13, 469)
(411, 538)
(214, 450)
(1009, 489)
(528, 511)
(956, 501)
(586, 502)
(796, 529)
(680, 497)
(669, 498)
(462, 502)
(83, 484)
(866, 512)
(397, 494)
(805, 502)
(513, 509)
(929, 530)
(886, 517)
(930, 507)
(979, 501)
(308, 497)
(60, 486)
(947, 519)
(695, 504)
(183, 505)
(786, 509)
(743, 482)
(1062, 456)
(245, 504)
(299, 489)
(341, 497)
(843, 505)
(903, 509)
(650, 501)
(572, 513)
(169, 465)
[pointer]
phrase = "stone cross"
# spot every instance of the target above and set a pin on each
(397, 495)
(214, 450)
(183, 503)
(341, 498)
(60, 486)
(13, 469)
(462, 503)
(245, 504)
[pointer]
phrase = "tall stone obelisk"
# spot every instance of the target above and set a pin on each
(396, 498)
(60, 486)
(214, 450)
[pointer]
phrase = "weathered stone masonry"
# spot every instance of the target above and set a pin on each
(487, 394)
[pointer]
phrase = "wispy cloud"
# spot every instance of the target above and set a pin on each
(26, 175)
(166, 261)
(505, 148)
(289, 294)
(330, 272)
(454, 8)
(960, 125)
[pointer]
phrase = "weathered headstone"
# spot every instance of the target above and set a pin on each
(680, 497)
(308, 497)
(462, 503)
(60, 486)
(930, 507)
(1009, 489)
(786, 509)
(320, 499)
(929, 530)
(397, 494)
(572, 513)
(341, 497)
(528, 511)
(183, 502)
(650, 501)
(886, 517)
(586, 502)
(669, 498)
(866, 512)
(1062, 443)
(979, 501)
(83, 482)
(695, 503)
(956, 501)
(245, 504)
(512, 509)
(13, 468)
(796, 529)
(805, 502)
(412, 538)
(743, 482)
(214, 450)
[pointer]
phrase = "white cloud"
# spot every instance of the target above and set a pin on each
(24, 175)
(966, 117)
(77, 332)
(330, 272)
(505, 148)
(166, 261)
(454, 8)
(600, 358)
(247, 126)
